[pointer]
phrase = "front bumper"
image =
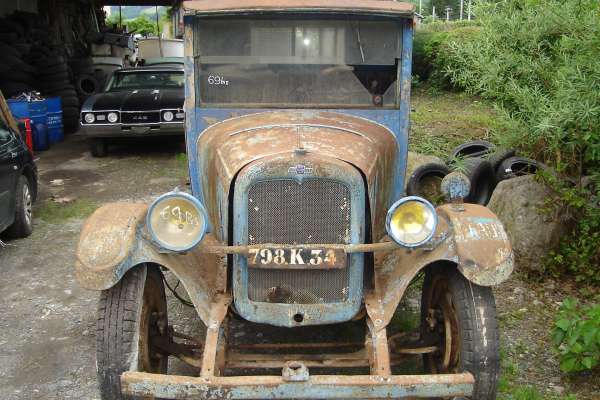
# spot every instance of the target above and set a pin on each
(121, 130)
(315, 387)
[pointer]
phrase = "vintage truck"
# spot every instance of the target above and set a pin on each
(297, 122)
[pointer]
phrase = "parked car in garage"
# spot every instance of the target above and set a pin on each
(18, 183)
(136, 102)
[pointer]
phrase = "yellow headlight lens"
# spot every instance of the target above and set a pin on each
(177, 221)
(411, 221)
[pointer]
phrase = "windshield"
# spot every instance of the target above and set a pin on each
(295, 62)
(145, 80)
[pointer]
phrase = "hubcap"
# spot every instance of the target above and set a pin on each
(27, 204)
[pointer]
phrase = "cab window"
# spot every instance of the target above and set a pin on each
(298, 62)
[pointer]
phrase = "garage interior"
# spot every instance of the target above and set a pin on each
(62, 48)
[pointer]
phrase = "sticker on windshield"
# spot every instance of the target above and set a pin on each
(217, 80)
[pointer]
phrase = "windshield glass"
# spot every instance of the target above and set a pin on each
(146, 80)
(295, 62)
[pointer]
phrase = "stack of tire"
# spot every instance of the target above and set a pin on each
(54, 80)
(17, 75)
(86, 77)
(482, 162)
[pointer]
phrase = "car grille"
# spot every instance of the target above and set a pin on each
(142, 117)
(317, 211)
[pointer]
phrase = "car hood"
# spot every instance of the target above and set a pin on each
(137, 100)
(226, 147)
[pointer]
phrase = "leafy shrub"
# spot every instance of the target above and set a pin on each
(538, 61)
(576, 336)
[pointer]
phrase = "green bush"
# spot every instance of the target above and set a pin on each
(538, 61)
(576, 336)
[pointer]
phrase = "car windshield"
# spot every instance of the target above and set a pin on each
(145, 80)
(297, 62)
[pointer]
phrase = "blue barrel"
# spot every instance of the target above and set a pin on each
(19, 108)
(39, 132)
(38, 111)
(54, 120)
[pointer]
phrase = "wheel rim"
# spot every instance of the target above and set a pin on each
(27, 204)
(153, 322)
(442, 326)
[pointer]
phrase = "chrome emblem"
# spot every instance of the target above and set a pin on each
(300, 169)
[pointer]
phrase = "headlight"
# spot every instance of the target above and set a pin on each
(168, 116)
(177, 221)
(113, 117)
(89, 118)
(411, 221)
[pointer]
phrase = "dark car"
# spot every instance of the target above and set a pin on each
(18, 184)
(136, 102)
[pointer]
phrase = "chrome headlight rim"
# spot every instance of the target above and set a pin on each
(402, 201)
(195, 202)
(116, 117)
(91, 119)
(168, 116)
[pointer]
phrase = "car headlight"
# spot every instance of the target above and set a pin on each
(112, 117)
(89, 118)
(411, 221)
(168, 116)
(177, 221)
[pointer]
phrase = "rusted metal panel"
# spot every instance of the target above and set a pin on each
(472, 239)
(316, 387)
(372, 7)
(226, 147)
(484, 253)
(114, 240)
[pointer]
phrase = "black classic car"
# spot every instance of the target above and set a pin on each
(146, 101)
(18, 183)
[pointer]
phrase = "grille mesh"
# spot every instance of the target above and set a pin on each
(314, 212)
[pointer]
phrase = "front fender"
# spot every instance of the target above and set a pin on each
(113, 240)
(468, 236)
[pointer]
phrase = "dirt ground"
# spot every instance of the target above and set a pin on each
(47, 343)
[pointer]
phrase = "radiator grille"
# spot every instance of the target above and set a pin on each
(142, 117)
(284, 211)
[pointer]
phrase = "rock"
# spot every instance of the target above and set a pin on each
(522, 205)
(415, 160)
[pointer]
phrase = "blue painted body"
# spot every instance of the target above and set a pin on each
(396, 120)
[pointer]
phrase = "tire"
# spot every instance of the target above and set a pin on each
(23, 224)
(475, 148)
(425, 181)
(482, 178)
(498, 157)
(70, 102)
(122, 331)
(86, 85)
(470, 311)
(516, 166)
(98, 147)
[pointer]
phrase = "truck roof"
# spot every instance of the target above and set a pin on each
(370, 7)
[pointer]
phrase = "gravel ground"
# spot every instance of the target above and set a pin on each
(47, 342)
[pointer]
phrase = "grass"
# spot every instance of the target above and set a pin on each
(509, 389)
(53, 213)
(442, 120)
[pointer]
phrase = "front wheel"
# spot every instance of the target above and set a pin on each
(99, 147)
(130, 314)
(460, 318)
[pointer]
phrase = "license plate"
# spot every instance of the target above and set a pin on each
(296, 258)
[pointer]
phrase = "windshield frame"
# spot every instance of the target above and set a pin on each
(396, 84)
(113, 77)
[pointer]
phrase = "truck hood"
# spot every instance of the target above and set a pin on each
(226, 147)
